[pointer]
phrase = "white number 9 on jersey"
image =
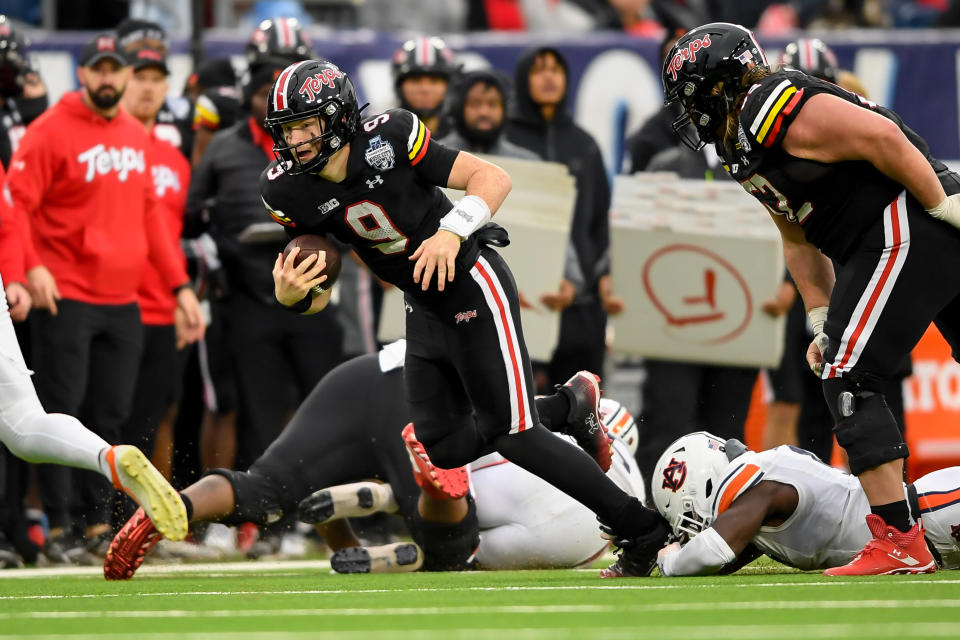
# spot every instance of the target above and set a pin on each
(369, 221)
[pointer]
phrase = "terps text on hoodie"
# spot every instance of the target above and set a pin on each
(101, 160)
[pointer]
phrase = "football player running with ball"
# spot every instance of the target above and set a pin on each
(374, 183)
(847, 180)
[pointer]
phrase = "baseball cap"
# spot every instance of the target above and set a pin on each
(103, 45)
(133, 33)
(148, 57)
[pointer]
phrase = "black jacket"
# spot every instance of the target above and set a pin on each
(561, 140)
(224, 193)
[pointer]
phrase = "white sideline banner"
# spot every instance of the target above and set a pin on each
(694, 261)
(537, 215)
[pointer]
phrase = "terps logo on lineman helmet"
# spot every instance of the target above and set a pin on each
(312, 89)
(715, 54)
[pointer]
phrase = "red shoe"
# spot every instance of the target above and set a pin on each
(890, 552)
(584, 422)
(130, 546)
(441, 484)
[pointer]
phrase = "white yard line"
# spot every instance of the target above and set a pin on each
(207, 568)
(486, 610)
(618, 585)
(692, 632)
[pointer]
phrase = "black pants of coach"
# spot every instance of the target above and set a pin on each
(279, 357)
(901, 277)
(86, 360)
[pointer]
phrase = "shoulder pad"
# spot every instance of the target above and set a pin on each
(739, 476)
(272, 194)
(767, 104)
(402, 127)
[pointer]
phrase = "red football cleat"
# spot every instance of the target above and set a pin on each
(584, 422)
(130, 546)
(441, 484)
(890, 552)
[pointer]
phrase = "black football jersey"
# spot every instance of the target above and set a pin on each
(389, 203)
(834, 203)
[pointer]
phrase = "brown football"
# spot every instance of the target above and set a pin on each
(309, 245)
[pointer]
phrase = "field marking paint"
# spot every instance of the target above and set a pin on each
(207, 568)
(482, 610)
(597, 587)
(693, 632)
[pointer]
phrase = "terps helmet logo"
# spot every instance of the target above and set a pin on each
(312, 86)
(674, 475)
(687, 54)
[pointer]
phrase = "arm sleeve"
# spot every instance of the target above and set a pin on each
(705, 554)
(203, 188)
(11, 248)
(30, 176)
(431, 160)
(206, 114)
(164, 250)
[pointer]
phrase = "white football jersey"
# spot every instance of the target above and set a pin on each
(828, 526)
(526, 523)
(938, 495)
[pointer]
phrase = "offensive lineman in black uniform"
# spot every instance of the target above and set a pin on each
(373, 184)
(842, 178)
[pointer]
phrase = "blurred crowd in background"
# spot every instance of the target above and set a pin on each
(125, 360)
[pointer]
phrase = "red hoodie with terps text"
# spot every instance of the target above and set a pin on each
(84, 183)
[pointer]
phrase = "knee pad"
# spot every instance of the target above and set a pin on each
(256, 498)
(865, 428)
(448, 547)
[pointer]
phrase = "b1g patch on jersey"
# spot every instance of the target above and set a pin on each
(379, 154)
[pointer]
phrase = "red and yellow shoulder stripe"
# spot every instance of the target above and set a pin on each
(780, 103)
(418, 141)
(737, 481)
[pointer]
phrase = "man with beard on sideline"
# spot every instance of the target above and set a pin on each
(96, 222)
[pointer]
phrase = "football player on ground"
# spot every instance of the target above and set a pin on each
(843, 179)
(727, 505)
(374, 184)
(349, 430)
(524, 523)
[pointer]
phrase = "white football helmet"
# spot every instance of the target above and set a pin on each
(619, 422)
(684, 480)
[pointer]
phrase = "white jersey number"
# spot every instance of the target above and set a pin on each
(369, 221)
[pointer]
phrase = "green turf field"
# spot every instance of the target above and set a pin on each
(278, 601)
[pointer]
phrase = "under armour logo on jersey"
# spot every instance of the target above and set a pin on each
(164, 178)
(406, 305)
(373, 182)
(465, 316)
(674, 475)
(101, 160)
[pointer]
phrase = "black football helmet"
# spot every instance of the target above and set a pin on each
(719, 52)
(424, 56)
(281, 38)
(811, 56)
(307, 89)
(13, 59)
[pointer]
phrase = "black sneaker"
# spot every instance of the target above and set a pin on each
(636, 557)
(67, 550)
(584, 422)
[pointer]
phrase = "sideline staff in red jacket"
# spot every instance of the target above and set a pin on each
(82, 177)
